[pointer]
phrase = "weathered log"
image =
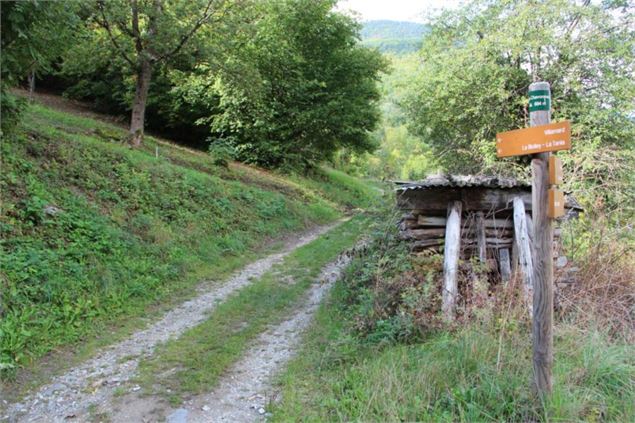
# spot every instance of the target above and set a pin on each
(472, 198)
(404, 225)
(514, 255)
(499, 233)
(480, 237)
(530, 229)
(427, 243)
(505, 265)
(490, 242)
(438, 221)
(423, 233)
(409, 216)
(524, 250)
(499, 223)
(472, 231)
(451, 258)
(431, 220)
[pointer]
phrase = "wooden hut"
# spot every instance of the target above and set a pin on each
(483, 217)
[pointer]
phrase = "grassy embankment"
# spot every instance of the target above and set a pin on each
(376, 352)
(194, 362)
(96, 236)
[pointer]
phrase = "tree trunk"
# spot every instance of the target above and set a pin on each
(31, 79)
(144, 74)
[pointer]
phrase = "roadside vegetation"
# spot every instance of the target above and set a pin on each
(194, 362)
(102, 229)
(94, 232)
(379, 350)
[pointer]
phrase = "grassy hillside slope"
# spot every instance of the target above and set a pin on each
(94, 233)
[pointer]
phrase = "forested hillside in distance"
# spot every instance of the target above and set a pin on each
(393, 36)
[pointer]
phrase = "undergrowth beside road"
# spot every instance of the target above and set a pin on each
(194, 362)
(93, 233)
(378, 352)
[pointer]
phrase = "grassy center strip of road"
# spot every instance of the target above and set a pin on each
(193, 363)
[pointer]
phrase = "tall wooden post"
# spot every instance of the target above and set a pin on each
(451, 259)
(521, 238)
(481, 238)
(540, 114)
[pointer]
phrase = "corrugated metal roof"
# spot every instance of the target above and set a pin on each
(460, 181)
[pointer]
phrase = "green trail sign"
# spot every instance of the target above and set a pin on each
(539, 100)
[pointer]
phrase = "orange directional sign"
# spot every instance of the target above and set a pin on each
(556, 203)
(555, 171)
(537, 139)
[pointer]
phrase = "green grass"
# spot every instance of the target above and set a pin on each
(203, 353)
(344, 189)
(452, 376)
(134, 233)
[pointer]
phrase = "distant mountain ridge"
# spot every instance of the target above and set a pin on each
(393, 36)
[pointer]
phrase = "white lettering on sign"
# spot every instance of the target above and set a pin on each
(555, 131)
(548, 144)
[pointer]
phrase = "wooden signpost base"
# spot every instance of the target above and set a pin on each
(542, 327)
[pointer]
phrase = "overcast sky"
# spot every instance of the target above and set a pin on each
(395, 10)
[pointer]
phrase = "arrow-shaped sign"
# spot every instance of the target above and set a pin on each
(537, 139)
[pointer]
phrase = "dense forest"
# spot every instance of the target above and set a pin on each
(197, 199)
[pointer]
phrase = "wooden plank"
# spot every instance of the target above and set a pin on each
(423, 233)
(514, 261)
(505, 265)
(497, 233)
(542, 330)
(472, 231)
(499, 241)
(524, 249)
(499, 223)
(451, 259)
(435, 201)
(427, 243)
(490, 242)
(480, 236)
(431, 220)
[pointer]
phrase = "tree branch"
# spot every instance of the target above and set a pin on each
(207, 14)
(104, 24)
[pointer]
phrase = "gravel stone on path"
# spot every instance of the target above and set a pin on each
(74, 394)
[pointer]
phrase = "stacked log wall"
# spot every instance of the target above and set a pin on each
(425, 230)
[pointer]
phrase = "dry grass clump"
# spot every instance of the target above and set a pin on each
(604, 290)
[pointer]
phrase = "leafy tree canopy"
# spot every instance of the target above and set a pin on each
(477, 63)
(34, 33)
(313, 88)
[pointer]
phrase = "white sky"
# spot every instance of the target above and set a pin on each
(395, 10)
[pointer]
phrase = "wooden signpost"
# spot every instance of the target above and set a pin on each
(540, 140)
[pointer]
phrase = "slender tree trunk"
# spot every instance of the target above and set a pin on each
(31, 79)
(137, 120)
